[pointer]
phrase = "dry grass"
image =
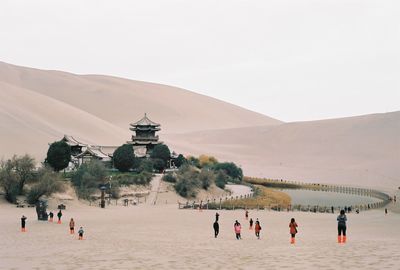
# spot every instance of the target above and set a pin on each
(264, 198)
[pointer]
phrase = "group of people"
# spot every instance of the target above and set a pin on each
(51, 216)
(237, 227)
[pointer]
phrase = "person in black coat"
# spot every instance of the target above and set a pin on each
(216, 228)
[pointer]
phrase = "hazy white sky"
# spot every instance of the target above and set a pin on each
(293, 60)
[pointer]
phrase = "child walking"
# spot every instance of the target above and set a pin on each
(51, 215)
(342, 219)
(293, 231)
(80, 232)
(23, 223)
(251, 224)
(72, 226)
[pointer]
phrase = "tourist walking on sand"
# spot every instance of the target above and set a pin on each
(238, 228)
(59, 215)
(257, 229)
(342, 219)
(247, 215)
(216, 228)
(80, 232)
(293, 231)
(51, 215)
(251, 224)
(72, 226)
(216, 216)
(23, 223)
(386, 211)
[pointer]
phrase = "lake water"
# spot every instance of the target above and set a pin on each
(328, 199)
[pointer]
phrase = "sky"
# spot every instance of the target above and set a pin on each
(293, 60)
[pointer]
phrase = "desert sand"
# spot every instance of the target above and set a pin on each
(163, 237)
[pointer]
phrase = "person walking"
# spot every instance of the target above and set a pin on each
(59, 215)
(72, 226)
(238, 228)
(257, 229)
(216, 216)
(216, 228)
(342, 219)
(386, 211)
(23, 223)
(80, 232)
(251, 224)
(293, 231)
(246, 215)
(51, 216)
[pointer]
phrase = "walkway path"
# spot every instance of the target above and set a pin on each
(155, 187)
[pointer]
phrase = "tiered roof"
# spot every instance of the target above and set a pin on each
(145, 124)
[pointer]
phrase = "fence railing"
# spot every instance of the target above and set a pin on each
(223, 202)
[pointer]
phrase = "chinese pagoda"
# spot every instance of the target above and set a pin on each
(145, 133)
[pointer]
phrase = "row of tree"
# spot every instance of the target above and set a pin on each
(201, 173)
(59, 157)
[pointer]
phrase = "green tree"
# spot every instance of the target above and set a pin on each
(159, 164)
(59, 155)
(24, 167)
(181, 160)
(161, 151)
(124, 158)
(230, 169)
(9, 180)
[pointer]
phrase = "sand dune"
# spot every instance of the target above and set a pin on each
(39, 106)
(361, 150)
(121, 101)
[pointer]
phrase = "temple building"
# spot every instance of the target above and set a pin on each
(145, 134)
(143, 141)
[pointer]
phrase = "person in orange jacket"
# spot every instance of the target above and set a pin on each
(293, 230)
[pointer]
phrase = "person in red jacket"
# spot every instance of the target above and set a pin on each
(293, 230)
(257, 229)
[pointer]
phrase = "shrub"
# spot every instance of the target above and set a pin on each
(88, 178)
(146, 165)
(169, 177)
(207, 161)
(124, 158)
(206, 178)
(127, 179)
(59, 155)
(187, 182)
(221, 179)
(193, 161)
(48, 183)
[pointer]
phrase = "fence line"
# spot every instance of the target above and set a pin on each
(216, 203)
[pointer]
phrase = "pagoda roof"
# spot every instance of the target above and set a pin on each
(145, 121)
(71, 141)
(94, 151)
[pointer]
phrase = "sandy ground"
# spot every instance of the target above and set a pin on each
(163, 237)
